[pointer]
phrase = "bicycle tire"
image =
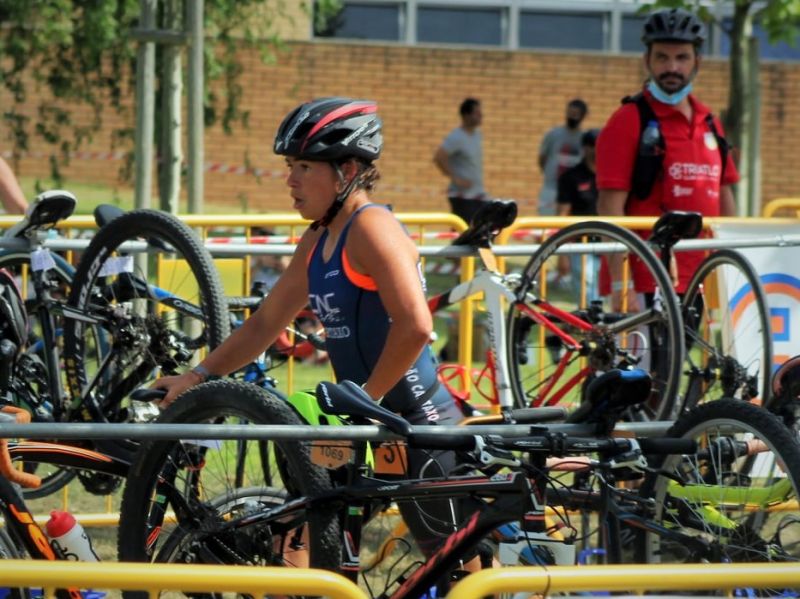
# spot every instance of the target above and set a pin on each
(148, 334)
(527, 355)
(712, 368)
(729, 499)
(165, 474)
(53, 477)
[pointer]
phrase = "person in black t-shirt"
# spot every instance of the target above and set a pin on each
(577, 196)
(577, 189)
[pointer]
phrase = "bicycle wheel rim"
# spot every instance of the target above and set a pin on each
(536, 382)
(742, 505)
(161, 329)
(729, 342)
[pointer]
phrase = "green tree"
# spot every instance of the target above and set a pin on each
(781, 21)
(83, 53)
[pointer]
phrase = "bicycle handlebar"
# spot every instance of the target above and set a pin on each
(25, 479)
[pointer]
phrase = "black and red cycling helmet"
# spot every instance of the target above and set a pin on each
(673, 25)
(331, 129)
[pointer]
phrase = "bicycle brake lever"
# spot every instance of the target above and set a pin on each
(493, 456)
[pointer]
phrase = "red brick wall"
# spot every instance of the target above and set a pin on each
(419, 90)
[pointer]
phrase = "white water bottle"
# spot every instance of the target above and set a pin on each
(68, 537)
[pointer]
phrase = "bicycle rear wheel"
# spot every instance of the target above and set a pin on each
(728, 343)
(738, 498)
(545, 370)
(203, 484)
(160, 310)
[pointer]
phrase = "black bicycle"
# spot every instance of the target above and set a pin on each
(713, 498)
(145, 298)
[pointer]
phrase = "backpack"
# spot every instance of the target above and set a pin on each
(647, 168)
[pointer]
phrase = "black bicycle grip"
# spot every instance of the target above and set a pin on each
(240, 302)
(145, 394)
(316, 341)
(668, 445)
(433, 441)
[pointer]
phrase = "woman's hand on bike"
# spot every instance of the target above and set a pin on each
(175, 385)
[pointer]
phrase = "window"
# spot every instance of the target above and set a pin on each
(460, 25)
(631, 38)
(364, 21)
(579, 31)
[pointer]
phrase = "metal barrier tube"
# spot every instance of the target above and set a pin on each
(193, 578)
(638, 578)
(96, 430)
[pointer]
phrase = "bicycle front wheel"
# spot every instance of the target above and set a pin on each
(159, 310)
(208, 486)
(737, 499)
(728, 342)
(558, 337)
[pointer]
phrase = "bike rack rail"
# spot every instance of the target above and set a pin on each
(654, 577)
(193, 578)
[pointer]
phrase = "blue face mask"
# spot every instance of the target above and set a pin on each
(662, 96)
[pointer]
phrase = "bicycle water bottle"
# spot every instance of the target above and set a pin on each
(648, 145)
(68, 537)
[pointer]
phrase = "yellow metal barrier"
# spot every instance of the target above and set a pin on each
(545, 581)
(190, 578)
(778, 204)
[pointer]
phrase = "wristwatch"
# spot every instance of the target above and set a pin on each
(202, 372)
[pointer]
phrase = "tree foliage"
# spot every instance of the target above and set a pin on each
(74, 54)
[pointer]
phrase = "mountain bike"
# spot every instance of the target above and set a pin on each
(105, 328)
(723, 494)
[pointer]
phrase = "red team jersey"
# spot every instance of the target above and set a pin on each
(690, 179)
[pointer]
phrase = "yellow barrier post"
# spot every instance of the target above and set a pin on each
(638, 578)
(190, 578)
(778, 204)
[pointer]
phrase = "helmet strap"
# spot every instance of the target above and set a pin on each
(339, 200)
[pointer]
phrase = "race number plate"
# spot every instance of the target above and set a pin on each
(331, 454)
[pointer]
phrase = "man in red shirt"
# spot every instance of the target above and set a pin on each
(679, 131)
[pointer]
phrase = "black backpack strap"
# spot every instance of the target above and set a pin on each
(722, 143)
(646, 169)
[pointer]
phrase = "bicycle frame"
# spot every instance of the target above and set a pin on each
(497, 288)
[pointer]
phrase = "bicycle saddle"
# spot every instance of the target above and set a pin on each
(610, 394)
(488, 221)
(675, 225)
(348, 399)
(45, 211)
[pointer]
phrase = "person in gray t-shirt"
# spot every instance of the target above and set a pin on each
(460, 157)
(560, 150)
